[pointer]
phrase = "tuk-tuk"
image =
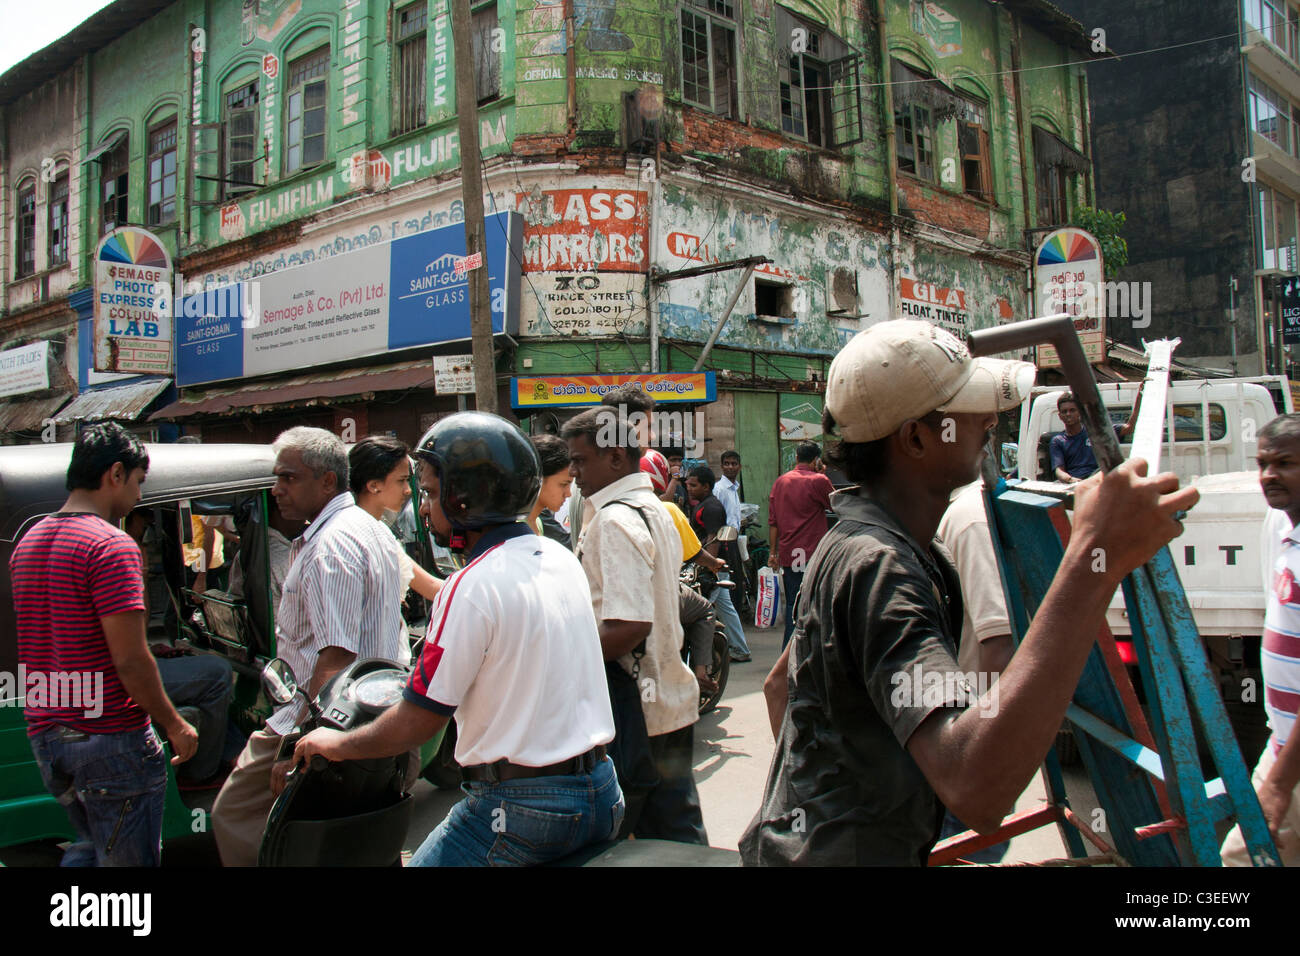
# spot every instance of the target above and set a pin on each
(184, 481)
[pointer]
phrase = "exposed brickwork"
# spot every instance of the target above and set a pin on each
(541, 145)
(944, 209)
(716, 134)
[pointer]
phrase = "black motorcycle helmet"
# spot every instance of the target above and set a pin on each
(488, 470)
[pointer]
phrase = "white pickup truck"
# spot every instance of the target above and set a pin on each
(1218, 555)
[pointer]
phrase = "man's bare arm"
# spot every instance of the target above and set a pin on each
(394, 732)
(425, 584)
(138, 672)
(980, 759)
(995, 653)
(621, 637)
(776, 691)
(329, 662)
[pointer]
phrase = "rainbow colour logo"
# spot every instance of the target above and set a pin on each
(1067, 245)
(134, 247)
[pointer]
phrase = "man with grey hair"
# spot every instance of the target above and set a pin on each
(341, 600)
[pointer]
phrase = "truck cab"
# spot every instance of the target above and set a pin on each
(1219, 556)
(1213, 423)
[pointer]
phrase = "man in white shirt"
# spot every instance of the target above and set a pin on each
(513, 653)
(729, 490)
(341, 600)
(631, 553)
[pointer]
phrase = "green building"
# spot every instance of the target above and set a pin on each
(817, 167)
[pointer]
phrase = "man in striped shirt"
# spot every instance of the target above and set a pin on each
(90, 682)
(342, 599)
(1277, 774)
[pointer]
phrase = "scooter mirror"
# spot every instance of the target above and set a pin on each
(726, 533)
(279, 681)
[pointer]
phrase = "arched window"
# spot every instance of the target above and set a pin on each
(58, 228)
(306, 110)
(114, 185)
(162, 173)
(25, 233)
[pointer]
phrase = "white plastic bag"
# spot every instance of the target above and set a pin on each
(768, 601)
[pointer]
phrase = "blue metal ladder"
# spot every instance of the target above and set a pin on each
(1160, 810)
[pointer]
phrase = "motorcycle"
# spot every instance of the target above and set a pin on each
(719, 664)
(353, 813)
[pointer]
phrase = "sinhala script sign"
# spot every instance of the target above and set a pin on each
(1068, 278)
(133, 326)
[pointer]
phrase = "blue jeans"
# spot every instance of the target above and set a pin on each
(791, 582)
(202, 681)
(726, 612)
(526, 822)
(111, 786)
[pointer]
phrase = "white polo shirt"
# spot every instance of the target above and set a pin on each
(513, 651)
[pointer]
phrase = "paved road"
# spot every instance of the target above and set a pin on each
(733, 751)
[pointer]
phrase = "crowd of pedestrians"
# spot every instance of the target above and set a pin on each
(557, 648)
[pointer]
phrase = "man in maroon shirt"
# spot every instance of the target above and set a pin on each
(796, 516)
(89, 681)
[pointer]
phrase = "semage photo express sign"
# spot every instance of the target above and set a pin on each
(395, 295)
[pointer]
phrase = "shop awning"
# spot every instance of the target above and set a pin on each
(301, 390)
(1051, 150)
(29, 415)
(121, 402)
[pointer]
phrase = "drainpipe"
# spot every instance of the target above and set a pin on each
(891, 156)
(571, 64)
(1021, 129)
(652, 312)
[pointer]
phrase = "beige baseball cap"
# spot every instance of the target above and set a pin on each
(905, 369)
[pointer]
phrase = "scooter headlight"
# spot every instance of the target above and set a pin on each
(380, 690)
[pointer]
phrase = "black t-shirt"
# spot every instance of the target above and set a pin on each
(707, 517)
(877, 616)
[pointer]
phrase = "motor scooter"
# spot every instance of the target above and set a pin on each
(351, 813)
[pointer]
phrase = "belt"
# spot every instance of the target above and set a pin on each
(505, 770)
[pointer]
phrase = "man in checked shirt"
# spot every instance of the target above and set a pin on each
(342, 599)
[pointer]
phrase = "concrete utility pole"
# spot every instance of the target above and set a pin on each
(471, 184)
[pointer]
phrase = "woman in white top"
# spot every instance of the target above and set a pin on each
(379, 473)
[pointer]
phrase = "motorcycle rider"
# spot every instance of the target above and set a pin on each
(513, 653)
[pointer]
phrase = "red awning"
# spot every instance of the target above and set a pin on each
(301, 390)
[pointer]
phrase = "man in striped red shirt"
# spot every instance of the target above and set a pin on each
(90, 682)
(1277, 774)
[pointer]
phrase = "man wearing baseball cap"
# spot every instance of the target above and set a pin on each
(880, 732)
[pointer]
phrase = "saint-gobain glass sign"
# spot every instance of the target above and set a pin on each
(388, 296)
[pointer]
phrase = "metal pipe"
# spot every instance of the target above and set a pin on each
(1059, 331)
(717, 329)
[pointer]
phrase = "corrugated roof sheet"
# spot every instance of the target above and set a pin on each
(29, 415)
(301, 390)
(121, 402)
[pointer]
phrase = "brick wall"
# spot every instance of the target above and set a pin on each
(716, 134)
(947, 210)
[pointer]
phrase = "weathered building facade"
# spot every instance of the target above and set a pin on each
(1194, 139)
(884, 157)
